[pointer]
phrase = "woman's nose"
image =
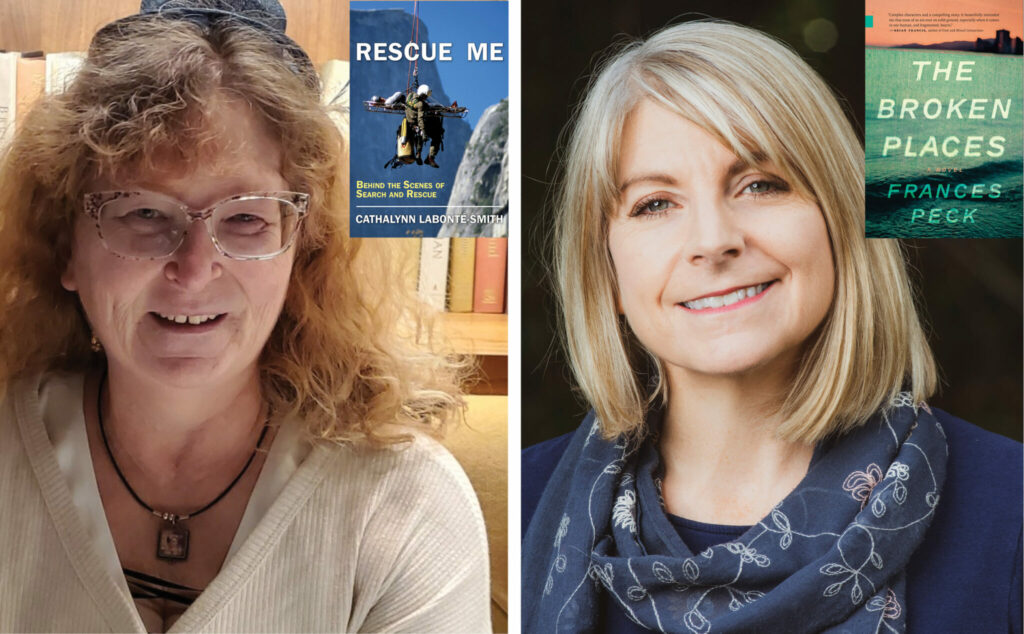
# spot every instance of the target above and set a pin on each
(714, 236)
(197, 261)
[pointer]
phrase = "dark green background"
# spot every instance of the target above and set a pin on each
(970, 289)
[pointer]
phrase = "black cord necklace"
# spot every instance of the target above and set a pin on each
(172, 538)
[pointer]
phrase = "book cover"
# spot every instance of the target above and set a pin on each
(8, 95)
(489, 283)
(460, 278)
(943, 119)
(429, 123)
(433, 275)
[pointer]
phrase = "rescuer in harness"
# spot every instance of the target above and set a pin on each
(425, 126)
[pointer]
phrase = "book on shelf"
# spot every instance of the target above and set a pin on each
(61, 68)
(31, 82)
(433, 277)
(489, 285)
(407, 258)
(8, 95)
(24, 77)
(334, 81)
(460, 279)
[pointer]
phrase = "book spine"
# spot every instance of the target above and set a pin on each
(489, 287)
(460, 284)
(8, 95)
(433, 278)
(61, 69)
(31, 83)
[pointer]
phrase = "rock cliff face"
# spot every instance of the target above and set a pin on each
(373, 134)
(482, 178)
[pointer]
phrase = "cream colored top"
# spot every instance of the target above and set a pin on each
(344, 540)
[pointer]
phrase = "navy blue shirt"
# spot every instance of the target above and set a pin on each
(965, 576)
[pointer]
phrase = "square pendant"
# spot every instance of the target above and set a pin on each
(172, 542)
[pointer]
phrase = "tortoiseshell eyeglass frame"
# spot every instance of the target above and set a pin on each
(95, 201)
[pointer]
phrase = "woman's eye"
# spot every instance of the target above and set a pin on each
(651, 207)
(245, 224)
(146, 213)
(765, 186)
(244, 219)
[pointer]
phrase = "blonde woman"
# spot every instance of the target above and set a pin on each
(759, 456)
(209, 421)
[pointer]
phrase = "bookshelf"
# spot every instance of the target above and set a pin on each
(479, 334)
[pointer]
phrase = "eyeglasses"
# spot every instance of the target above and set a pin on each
(147, 225)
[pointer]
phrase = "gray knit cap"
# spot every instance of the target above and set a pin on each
(266, 16)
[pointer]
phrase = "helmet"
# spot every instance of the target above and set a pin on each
(423, 90)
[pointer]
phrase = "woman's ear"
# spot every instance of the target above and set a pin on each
(67, 276)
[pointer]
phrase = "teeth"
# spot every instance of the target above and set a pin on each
(718, 301)
(193, 320)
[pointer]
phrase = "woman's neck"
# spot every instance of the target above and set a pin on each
(167, 432)
(724, 463)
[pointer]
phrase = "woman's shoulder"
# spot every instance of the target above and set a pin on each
(984, 476)
(421, 465)
(538, 462)
(413, 526)
(969, 563)
(41, 409)
(982, 493)
(985, 471)
(973, 446)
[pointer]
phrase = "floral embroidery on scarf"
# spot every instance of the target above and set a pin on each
(623, 511)
(747, 555)
(888, 605)
(888, 608)
(860, 484)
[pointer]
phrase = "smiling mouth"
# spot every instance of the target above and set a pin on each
(731, 298)
(188, 320)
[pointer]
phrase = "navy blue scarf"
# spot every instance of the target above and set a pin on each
(829, 557)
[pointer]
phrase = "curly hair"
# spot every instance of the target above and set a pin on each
(348, 354)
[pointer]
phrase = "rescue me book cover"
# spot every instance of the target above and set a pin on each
(943, 129)
(429, 118)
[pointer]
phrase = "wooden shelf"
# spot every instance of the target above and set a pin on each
(477, 333)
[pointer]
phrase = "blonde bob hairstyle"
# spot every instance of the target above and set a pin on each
(759, 99)
(145, 102)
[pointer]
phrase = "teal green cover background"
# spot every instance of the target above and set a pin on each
(891, 74)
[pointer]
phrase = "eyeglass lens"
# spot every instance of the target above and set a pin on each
(152, 227)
